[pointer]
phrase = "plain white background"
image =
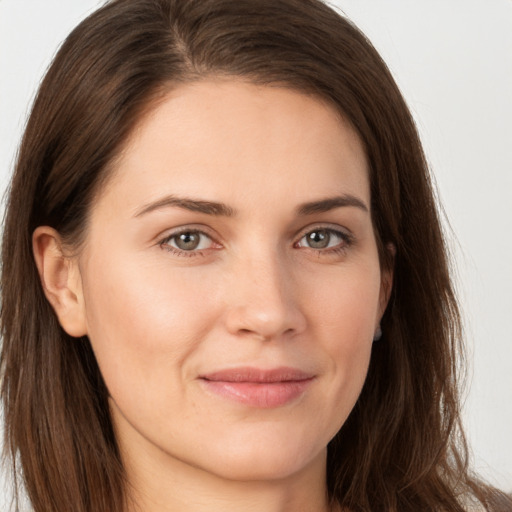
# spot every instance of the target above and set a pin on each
(453, 61)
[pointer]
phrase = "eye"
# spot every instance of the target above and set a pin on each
(324, 238)
(187, 241)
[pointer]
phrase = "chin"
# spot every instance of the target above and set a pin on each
(263, 459)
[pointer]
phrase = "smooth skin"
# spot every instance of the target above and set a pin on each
(235, 231)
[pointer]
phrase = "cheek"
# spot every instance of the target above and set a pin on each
(345, 304)
(147, 321)
(343, 317)
(143, 322)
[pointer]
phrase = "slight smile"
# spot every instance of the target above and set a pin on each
(259, 388)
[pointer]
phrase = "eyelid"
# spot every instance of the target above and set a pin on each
(187, 228)
(166, 236)
(335, 228)
(342, 232)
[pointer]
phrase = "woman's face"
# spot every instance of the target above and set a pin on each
(231, 282)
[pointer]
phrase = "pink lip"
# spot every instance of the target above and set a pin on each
(259, 388)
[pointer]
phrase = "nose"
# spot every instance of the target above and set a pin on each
(263, 301)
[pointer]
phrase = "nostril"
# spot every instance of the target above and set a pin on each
(267, 311)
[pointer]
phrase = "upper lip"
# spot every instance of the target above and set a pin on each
(258, 375)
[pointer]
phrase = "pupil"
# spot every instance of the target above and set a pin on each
(187, 241)
(319, 239)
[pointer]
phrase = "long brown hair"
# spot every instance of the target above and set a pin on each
(402, 448)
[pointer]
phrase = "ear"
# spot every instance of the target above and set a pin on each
(386, 281)
(61, 281)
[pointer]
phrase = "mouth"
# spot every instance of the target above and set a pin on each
(259, 388)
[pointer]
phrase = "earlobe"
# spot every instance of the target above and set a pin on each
(386, 287)
(60, 279)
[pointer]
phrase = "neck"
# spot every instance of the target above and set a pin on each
(172, 485)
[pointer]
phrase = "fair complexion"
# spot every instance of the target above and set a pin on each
(230, 286)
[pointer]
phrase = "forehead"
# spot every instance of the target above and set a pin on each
(234, 141)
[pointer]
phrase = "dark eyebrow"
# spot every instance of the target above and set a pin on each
(330, 203)
(194, 205)
(220, 209)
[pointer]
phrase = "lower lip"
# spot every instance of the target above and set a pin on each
(264, 395)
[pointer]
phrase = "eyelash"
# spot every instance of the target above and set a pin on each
(164, 244)
(348, 241)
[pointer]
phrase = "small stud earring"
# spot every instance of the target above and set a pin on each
(378, 334)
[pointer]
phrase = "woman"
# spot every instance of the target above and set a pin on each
(235, 289)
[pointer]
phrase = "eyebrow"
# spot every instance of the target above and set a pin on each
(330, 203)
(193, 205)
(223, 210)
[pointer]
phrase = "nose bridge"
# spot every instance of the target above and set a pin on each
(263, 300)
